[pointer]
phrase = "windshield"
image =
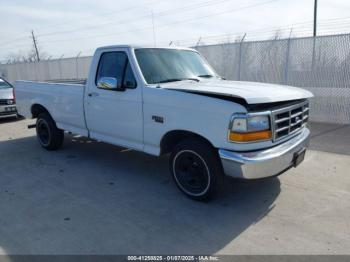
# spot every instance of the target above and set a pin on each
(168, 65)
(4, 84)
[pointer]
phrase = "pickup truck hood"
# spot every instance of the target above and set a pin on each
(6, 93)
(251, 92)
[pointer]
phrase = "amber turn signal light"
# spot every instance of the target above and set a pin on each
(249, 137)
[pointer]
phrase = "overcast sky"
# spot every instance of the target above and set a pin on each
(68, 27)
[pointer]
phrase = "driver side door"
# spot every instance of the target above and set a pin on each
(115, 115)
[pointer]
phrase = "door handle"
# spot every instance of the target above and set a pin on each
(93, 94)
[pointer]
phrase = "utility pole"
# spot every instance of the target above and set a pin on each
(315, 18)
(314, 35)
(199, 41)
(36, 47)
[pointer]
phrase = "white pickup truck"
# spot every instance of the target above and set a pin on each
(169, 100)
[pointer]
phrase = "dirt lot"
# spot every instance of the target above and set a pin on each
(93, 198)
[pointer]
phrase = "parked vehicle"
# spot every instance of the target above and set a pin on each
(7, 100)
(169, 100)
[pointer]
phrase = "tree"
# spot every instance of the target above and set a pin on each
(26, 56)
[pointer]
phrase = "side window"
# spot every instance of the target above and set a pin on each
(116, 65)
(129, 79)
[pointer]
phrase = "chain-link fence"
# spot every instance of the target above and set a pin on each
(49, 70)
(321, 65)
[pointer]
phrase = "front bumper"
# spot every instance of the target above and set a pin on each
(264, 163)
(8, 111)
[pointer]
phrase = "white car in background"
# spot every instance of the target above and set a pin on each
(7, 100)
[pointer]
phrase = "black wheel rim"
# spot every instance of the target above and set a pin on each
(43, 132)
(191, 173)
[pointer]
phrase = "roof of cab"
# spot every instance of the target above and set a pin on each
(143, 46)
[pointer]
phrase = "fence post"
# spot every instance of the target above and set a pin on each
(47, 62)
(287, 59)
(36, 70)
(60, 66)
(240, 57)
(313, 53)
(76, 65)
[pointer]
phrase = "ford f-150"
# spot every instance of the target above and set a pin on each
(170, 100)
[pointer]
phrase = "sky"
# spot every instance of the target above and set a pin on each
(70, 28)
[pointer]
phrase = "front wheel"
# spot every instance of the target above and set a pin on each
(196, 169)
(49, 136)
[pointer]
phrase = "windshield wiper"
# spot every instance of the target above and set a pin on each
(178, 79)
(210, 76)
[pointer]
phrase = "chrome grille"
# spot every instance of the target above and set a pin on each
(289, 120)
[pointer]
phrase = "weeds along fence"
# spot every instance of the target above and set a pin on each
(320, 65)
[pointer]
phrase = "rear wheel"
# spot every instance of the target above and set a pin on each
(49, 136)
(196, 169)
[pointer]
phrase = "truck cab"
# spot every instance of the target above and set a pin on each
(171, 101)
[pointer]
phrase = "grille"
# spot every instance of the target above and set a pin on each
(289, 120)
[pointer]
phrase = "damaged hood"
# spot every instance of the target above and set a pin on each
(251, 92)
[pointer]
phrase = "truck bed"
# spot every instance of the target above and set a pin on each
(67, 81)
(64, 101)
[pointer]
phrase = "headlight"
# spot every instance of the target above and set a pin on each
(250, 128)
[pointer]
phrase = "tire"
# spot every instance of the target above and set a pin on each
(49, 136)
(196, 169)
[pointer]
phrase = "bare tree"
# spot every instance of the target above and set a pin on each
(277, 35)
(26, 56)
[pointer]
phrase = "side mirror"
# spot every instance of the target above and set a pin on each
(109, 83)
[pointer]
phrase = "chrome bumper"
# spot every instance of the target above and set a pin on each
(8, 116)
(10, 113)
(264, 163)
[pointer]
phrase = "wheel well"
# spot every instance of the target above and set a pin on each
(173, 138)
(38, 109)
